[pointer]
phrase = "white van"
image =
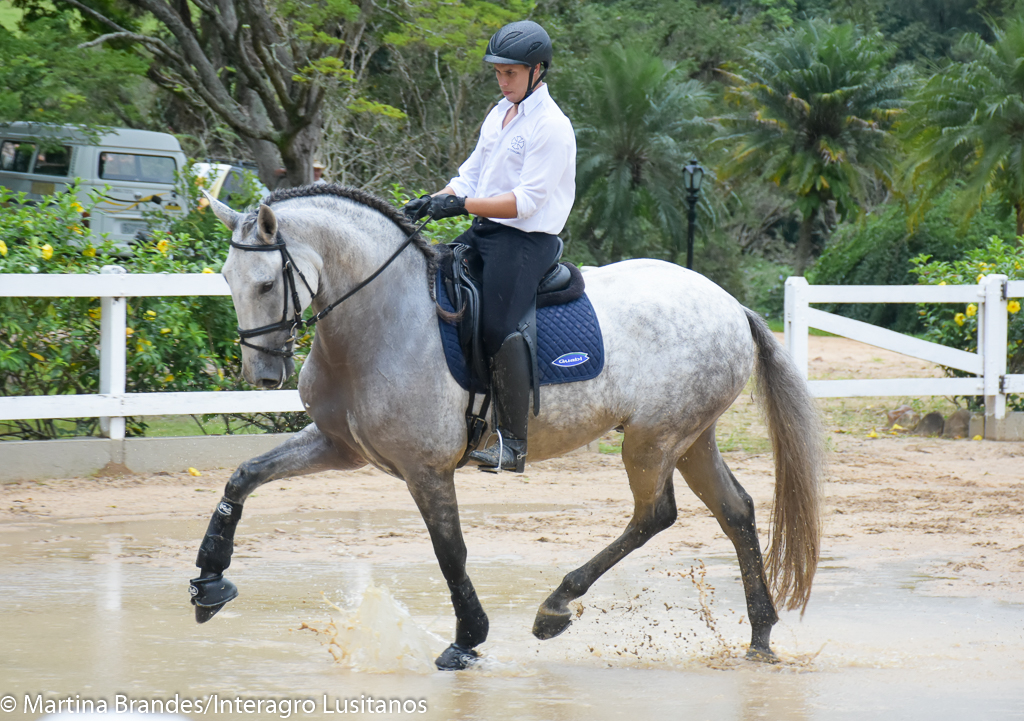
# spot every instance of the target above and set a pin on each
(133, 171)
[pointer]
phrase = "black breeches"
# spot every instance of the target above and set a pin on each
(514, 263)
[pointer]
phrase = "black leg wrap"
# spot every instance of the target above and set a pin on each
(471, 622)
(215, 551)
(456, 658)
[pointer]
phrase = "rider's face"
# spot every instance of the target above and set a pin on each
(514, 79)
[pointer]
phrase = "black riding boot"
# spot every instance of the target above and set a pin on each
(510, 383)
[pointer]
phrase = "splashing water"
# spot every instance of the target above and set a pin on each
(379, 636)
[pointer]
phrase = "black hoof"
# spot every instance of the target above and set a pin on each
(205, 613)
(210, 595)
(548, 625)
(760, 655)
(456, 658)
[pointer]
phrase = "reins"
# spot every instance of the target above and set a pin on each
(297, 322)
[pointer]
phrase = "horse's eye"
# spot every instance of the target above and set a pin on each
(266, 287)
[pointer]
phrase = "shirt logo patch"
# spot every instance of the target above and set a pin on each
(517, 145)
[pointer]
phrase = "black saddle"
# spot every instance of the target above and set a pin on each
(462, 270)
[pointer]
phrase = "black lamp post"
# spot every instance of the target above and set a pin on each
(693, 174)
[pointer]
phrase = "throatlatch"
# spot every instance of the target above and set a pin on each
(211, 590)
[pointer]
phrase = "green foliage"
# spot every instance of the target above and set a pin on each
(640, 124)
(47, 78)
(48, 346)
(817, 105)
(967, 121)
(879, 250)
(957, 326)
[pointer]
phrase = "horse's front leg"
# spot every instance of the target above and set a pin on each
(434, 494)
(308, 451)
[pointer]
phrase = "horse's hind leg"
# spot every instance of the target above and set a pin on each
(308, 451)
(434, 494)
(710, 478)
(654, 510)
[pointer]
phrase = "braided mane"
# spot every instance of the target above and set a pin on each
(381, 206)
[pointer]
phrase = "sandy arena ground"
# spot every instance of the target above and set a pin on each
(894, 498)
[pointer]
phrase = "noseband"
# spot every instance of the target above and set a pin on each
(289, 268)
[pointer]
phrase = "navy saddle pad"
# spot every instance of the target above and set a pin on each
(569, 343)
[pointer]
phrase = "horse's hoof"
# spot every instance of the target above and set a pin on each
(456, 658)
(210, 595)
(548, 625)
(762, 655)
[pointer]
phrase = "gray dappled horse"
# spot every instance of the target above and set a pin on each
(678, 351)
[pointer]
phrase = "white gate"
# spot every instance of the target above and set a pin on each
(987, 366)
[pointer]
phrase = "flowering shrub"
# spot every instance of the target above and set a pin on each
(957, 326)
(49, 346)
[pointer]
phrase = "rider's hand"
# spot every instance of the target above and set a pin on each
(446, 206)
(417, 208)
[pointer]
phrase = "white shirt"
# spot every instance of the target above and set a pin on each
(534, 157)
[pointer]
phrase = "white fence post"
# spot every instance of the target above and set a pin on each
(992, 346)
(113, 355)
(796, 327)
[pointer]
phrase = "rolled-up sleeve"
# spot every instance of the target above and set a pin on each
(551, 152)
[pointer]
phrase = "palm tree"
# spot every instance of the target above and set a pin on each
(635, 132)
(818, 103)
(967, 122)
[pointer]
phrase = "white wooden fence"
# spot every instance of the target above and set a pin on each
(987, 365)
(113, 286)
(112, 404)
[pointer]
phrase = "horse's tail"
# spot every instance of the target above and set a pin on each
(797, 440)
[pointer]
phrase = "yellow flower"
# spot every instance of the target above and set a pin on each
(76, 229)
(972, 310)
(193, 472)
(95, 313)
(872, 434)
(169, 378)
(976, 438)
(89, 252)
(129, 331)
(77, 207)
(150, 314)
(207, 270)
(897, 427)
(942, 282)
(163, 245)
(140, 346)
(959, 319)
(980, 277)
(37, 357)
(47, 251)
(3, 248)
(1013, 306)
(165, 331)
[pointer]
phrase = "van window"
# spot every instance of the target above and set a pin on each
(15, 156)
(139, 168)
(55, 160)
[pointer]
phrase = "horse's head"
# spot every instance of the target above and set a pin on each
(273, 278)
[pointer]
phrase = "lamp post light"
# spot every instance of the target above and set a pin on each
(693, 174)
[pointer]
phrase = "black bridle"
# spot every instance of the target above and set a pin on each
(291, 287)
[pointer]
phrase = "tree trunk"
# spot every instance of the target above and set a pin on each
(805, 243)
(297, 154)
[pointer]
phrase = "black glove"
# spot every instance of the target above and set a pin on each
(446, 206)
(417, 208)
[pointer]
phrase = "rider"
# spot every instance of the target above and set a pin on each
(519, 182)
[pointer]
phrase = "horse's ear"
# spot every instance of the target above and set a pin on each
(224, 214)
(266, 225)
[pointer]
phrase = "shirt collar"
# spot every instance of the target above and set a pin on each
(537, 97)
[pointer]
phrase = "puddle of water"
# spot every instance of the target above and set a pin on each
(94, 611)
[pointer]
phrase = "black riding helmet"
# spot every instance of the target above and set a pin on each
(521, 43)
